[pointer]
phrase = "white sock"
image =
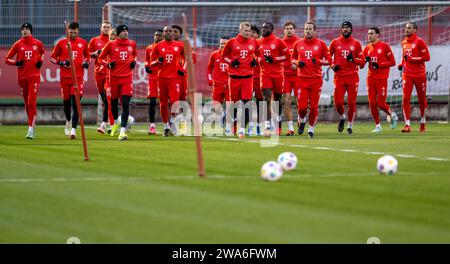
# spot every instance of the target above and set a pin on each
(242, 130)
(166, 125)
(311, 129)
(123, 129)
(152, 124)
(342, 116)
(303, 120)
(407, 123)
(74, 131)
(350, 125)
(267, 124)
(422, 120)
(103, 124)
(116, 122)
(378, 125)
(290, 125)
(250, 124)
(30, 128)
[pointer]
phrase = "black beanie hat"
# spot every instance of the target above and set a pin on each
(348, 24)
(121, 28)
(27, 25)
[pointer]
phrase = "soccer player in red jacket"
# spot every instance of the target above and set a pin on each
(239, 53)
(29, 53)
(310, 54)
(95, 48)
(81, 57)
(166, 56)
(256, 87)
(273, 54)
(152, 81)
(122, 60)
(177, 32)
(217, 74)
(415, 54)
(290, 75)
(347, 56)
(380, 58)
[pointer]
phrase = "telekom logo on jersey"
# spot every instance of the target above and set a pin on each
(244, 53)
(345, 53)
(169, 58)
(308, 54)
(408, 52)
(223, 67)
(123, 55)
(28, 54)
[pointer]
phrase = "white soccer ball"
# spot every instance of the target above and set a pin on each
(387, 165)
(287, 160)
(271, 171)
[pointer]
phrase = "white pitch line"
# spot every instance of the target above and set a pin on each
(288, 176)
(347, 150)
(323, 148)
(350, 151)
(373, 153)
(436, 159)
(406, 156)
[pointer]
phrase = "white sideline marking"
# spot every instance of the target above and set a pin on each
(190, 177)
(298, 146)
(436, 159)
(322, 148)
(406, 156)
(346, 150)
(87, 179)
(374, 153)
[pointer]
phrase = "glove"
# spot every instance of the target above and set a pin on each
(375, 65)
(96, 53)
(313, 60)
(301, 64)
(180, 72)
(20, 63)
(336, 68)
(268, 59)
(400, 67)
(132, 64)
(111, 65)
(39, 64)
(160, 59)
(65, 63)
(148, 69)
(85, 65)
(350, 57)
(253, 63)
(210, 82)
(235, 63)
(367, 59)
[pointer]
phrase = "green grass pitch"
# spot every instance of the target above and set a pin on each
(145, 190)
